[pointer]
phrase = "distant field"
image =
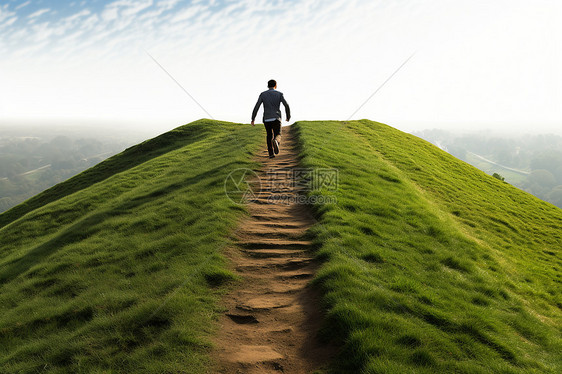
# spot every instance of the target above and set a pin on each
(432, 266)
(510, 176)
(119, 268)
(31, 164)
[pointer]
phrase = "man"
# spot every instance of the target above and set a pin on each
(272, 100)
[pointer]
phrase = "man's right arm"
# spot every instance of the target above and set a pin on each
(256, 108)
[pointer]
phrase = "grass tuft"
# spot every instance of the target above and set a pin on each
(219, 277)
(422, 358)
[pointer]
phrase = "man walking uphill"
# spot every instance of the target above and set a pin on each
(271, 100)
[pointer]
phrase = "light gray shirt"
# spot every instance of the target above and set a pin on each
(271, 100)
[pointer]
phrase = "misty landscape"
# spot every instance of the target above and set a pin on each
(532, 162)
(34, 158)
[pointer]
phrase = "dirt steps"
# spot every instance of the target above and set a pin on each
(272, 319)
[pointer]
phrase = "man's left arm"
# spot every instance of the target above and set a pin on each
(287, 109)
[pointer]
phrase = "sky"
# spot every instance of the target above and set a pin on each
(492, 65)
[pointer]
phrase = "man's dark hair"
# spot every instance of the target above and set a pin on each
(271, 83)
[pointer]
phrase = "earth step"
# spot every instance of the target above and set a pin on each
(265, 253)
(283, 263)
(265, 266)
(262, 201)
(276, 243)
(296, 264)
(266, 216)
(286, 234)
(274, 225)
(272, 190)
(272, 212)
(281, 203)
(298, 274)
(279, 177)
(287, 287)
(273, 198)
(268, 302)
(281, 331)
(287, 169)
(276, 187)
(242, 319)
(255, 354)
(274, 178)
(275, 263)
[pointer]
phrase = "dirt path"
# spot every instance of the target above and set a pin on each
(273, 318)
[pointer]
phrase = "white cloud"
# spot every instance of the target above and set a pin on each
(124, 9)
(110, 13)
(23, 5)
(8, 22)
(89, 22)
(186, 14)
(5, 13)
(75, 17)
(167, 4)
(136, 7)
(38, 13)
(161, 7)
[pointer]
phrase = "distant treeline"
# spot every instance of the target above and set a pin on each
(31, 164)
(537, 159)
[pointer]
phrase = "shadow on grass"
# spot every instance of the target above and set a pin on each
(86, 227)
(129, 158)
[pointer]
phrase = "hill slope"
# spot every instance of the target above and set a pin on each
(430, 264)
(117, 268)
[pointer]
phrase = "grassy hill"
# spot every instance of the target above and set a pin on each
(430, 264)
(119, 268)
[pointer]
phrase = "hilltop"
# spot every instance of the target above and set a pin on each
(426, 263)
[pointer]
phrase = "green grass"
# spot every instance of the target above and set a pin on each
(430, 265)
(119, 269)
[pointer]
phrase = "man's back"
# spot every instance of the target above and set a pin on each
(271, 100)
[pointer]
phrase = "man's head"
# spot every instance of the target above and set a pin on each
(272, 83)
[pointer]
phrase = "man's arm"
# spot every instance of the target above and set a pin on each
(287, 109)
(256, 108)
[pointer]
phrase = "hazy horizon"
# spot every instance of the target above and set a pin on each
(149, 129)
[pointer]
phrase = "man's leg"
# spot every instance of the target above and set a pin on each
(269, 138)
(276, 127)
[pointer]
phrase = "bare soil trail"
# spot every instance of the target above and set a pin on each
(272, 318)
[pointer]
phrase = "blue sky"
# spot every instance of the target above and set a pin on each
(478, 64)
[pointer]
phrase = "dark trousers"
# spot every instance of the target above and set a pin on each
(273, 129)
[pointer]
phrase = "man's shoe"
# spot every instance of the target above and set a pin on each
(272, 156)
(275, 146)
